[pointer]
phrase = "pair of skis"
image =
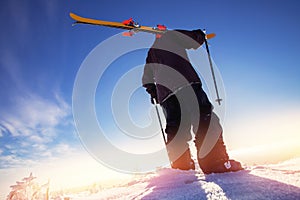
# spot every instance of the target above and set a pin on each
(134, 27)
(129, 24)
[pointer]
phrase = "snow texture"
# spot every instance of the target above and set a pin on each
(281, 181)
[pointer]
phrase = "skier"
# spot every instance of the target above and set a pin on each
(171, 80)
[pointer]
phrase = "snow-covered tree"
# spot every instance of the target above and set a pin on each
(28, 189)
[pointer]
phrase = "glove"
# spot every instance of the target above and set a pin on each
(151, 89)
(199, 36)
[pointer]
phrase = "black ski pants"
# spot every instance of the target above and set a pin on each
(182, 114)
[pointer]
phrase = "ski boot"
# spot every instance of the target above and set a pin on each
(184, 162)
(220, 166)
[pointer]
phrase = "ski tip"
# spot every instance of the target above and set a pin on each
(72, 15)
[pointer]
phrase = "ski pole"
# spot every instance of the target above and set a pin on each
(159, 119)
(212, 69)
(161, 127)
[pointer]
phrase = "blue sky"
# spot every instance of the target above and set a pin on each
(256, 50)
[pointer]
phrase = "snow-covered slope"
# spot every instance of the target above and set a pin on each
(281, 181)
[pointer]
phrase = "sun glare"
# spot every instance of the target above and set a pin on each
(77, 171)
(270, 138)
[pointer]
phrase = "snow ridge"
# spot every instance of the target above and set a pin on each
(258, 182)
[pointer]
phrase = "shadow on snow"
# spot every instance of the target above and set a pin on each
(176, 184)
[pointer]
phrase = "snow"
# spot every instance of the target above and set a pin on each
(280, 181)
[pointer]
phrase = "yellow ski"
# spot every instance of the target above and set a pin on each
(126, 24)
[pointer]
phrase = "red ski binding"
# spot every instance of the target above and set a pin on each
(161, 27)
(130, 22)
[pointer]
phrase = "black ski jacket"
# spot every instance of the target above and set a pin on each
(167, 66)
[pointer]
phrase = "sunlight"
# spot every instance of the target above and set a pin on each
(266, 154)
(269, 138)
(76, 171)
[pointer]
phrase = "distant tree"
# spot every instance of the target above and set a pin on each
(28, 189)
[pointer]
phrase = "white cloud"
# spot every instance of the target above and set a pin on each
(36, 117)
(8, 161)
(32, 127)
(36, 139)
(63, 148)
(31, 158)
(8, 146)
